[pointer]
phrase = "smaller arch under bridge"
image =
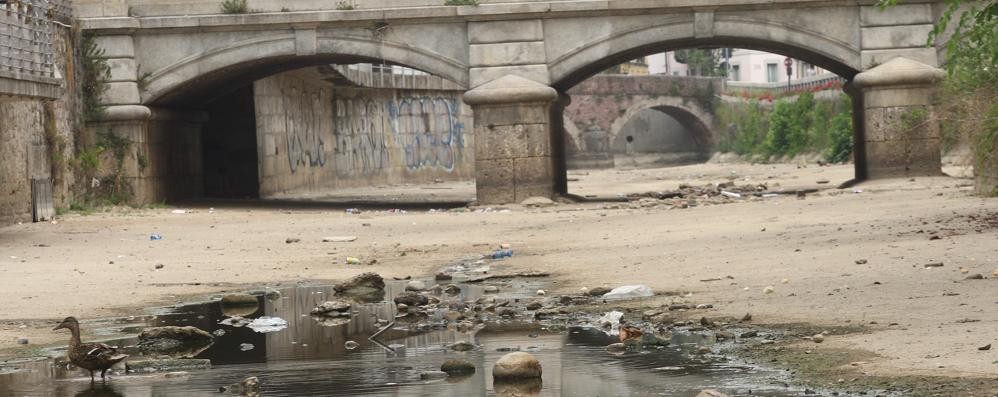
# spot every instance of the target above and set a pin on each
(603, 105)
(517, 57)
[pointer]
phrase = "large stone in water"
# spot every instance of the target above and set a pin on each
(333, 308)
(176, 341)
(457, 367)
(517, 365)
(367, 287)
(410, 298)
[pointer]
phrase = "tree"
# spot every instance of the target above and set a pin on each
(701, 62)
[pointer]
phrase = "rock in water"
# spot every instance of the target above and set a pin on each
(432, 375)
(333, 308)
(517, 365)
(249, 387)
(410, 298)
(462, 346)
(367, 287)
(457, 367)
(616, 348)
(175, 341)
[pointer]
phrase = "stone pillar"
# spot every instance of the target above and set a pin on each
(513, 157)
(901, 136)
(558, 133)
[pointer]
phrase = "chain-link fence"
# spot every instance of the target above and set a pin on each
(26, 36)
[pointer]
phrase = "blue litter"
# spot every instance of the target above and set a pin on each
(502, 254)
(155, 237)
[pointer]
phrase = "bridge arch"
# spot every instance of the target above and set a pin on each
(800, 42)
(687, 113)
(219, 69)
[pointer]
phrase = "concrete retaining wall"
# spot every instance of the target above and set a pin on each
(312, 136)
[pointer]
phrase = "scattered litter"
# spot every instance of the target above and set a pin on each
(503, 253)
(823, 182)
(541, 292)
(353, 261)
(861, 261)
(785, 281)
(629, 291)
(985, 347)
(353, 211)
(246, 347)
(610, 322)
(339, 239)
(155, 237)
(265, 324)
(726, 193)
(768, 290)
(936, 264)
(857, 191)
(291, 240)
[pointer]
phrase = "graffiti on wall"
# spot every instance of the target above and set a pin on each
(428, 131)
(362, 134)
(305, 144)
(359, 132)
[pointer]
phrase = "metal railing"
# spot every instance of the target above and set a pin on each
(26, 36)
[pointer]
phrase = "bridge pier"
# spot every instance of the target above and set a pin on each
(513, 145)
(163, 156)
(900, 135)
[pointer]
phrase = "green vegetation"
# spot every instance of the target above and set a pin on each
(461, 2)
(344, 6)
(234, 7)
(102, 170)
(792, 126)
(702, 62)
(95, 76)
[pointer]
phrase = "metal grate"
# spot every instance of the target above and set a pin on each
(26, 35)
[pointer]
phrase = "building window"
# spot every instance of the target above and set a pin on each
(771, 73)
(736, 73)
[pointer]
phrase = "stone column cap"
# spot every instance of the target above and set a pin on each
(899, 71)
(126, 113)
(510, 89)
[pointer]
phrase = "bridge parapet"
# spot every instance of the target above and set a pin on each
(27, 47)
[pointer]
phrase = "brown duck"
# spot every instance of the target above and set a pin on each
(89, 356)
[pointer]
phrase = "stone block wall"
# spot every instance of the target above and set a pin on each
(37, 135)
(312, 136)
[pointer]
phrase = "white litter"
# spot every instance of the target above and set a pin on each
(339, 239)
(610, 322)
(726, 193)
(179, 211)
(268, 324)
(629, 291)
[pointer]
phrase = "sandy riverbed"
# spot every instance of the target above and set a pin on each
(105, 264)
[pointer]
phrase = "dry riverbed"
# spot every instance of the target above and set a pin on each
(862, 263)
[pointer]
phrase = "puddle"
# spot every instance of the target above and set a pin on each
(311, 357)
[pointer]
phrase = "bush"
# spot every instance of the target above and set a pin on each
(235, 7)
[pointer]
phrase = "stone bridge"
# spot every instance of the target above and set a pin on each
(602, 105)
(517, 60)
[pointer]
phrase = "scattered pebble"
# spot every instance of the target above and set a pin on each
(22, 341)
(818, 338)
(350, 345)
(159, 266)
(541, 292)
(246, 347)
(768, 290)
(861, 261)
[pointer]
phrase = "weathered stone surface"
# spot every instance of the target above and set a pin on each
(240, 299)
(517, 365)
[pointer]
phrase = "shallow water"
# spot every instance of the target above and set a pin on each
(310, 359)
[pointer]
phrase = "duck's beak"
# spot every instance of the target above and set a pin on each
(58, 327)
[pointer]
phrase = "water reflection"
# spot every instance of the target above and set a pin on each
(309, 359)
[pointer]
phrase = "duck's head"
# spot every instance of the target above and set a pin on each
(68, 323)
